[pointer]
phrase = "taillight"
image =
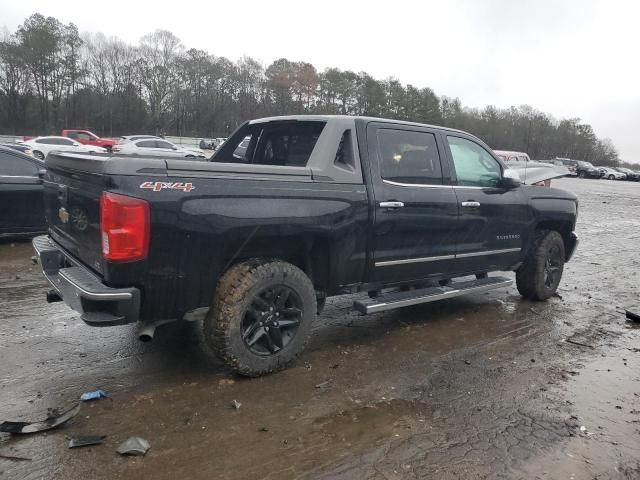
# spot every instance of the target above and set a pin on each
(124, 226)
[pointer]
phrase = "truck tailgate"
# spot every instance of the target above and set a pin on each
(72, 189)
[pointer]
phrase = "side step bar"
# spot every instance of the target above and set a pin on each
(413, 297)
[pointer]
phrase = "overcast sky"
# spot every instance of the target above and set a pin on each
(567, 58)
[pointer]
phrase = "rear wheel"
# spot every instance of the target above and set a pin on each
(582, 175)
(261, 317)
(38, 154)
(539, 276)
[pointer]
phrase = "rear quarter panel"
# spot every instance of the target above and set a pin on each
(197, 234)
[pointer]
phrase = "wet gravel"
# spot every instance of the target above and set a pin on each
(486, 386)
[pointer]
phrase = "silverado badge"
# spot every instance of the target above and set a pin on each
(63, 215)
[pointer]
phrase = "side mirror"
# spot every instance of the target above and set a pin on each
(511, 179)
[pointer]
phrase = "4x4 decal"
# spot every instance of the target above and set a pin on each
(157, 186)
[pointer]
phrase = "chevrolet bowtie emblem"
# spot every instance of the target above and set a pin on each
(63, 215)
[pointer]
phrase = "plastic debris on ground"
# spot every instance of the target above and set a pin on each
(95, 395)
(77, 441)
(54, 419)
(135, 446)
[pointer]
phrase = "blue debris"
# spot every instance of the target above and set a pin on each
(98, 394)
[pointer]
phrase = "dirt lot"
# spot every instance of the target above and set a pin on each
(488, 386)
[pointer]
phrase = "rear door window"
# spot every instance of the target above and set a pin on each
(146, 144)
(165, 145)
(409, 157)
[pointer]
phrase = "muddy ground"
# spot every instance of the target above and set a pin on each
(488, 386)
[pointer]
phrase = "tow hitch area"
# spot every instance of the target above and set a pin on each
(53, 296)
(431, 294)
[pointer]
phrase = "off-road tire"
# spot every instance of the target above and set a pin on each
(234, 293)
(530, 277)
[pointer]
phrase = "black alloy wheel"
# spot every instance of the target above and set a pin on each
(553, 267)
(271, 320)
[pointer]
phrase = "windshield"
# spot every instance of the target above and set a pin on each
(586, 164)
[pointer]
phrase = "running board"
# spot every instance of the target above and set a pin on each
(413, 297)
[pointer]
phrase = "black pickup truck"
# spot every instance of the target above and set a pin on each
(308, 207)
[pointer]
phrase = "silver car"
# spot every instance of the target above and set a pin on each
(157, 147)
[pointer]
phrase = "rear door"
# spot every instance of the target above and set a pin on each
(492, 218)
(167, 149)
(416, 209)
(20, 194)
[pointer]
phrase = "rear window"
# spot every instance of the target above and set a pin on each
(281, 143)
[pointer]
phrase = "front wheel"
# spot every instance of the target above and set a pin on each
(582, 175)
(611, 177)
(539, 276)
(38, 154)
(261, 317)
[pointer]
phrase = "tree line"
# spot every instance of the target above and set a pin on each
(52, 78)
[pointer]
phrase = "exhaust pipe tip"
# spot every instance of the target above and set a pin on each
(146, 334)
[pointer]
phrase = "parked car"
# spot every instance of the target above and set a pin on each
(20, 147)
(580, 168)
(130, 138)
(611, 174)
(21, 194)
(86, 137)
(41, 146)
(151, 147)
(212, 143)
(631, 175)
(317, 206)
(508, 156)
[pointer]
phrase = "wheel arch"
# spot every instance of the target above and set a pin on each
(565, 230)
(312, 255)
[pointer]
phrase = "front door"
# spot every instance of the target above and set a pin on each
(492, 218)
(416, 208)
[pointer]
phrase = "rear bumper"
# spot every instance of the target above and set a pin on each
(571, 246)
(98, 304)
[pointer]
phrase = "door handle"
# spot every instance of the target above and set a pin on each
(391, 204)
(470, 204)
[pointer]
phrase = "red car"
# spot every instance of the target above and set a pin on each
(89, 138)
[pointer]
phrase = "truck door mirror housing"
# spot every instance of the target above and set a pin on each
(511, 179)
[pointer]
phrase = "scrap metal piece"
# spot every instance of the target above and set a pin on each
(95, 395)
(634, 316)
(134, 446)
(54, 419)
(77, 441)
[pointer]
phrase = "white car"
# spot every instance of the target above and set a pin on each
(130, 138)
(611, 174)
(157, 147)
(41, 146)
